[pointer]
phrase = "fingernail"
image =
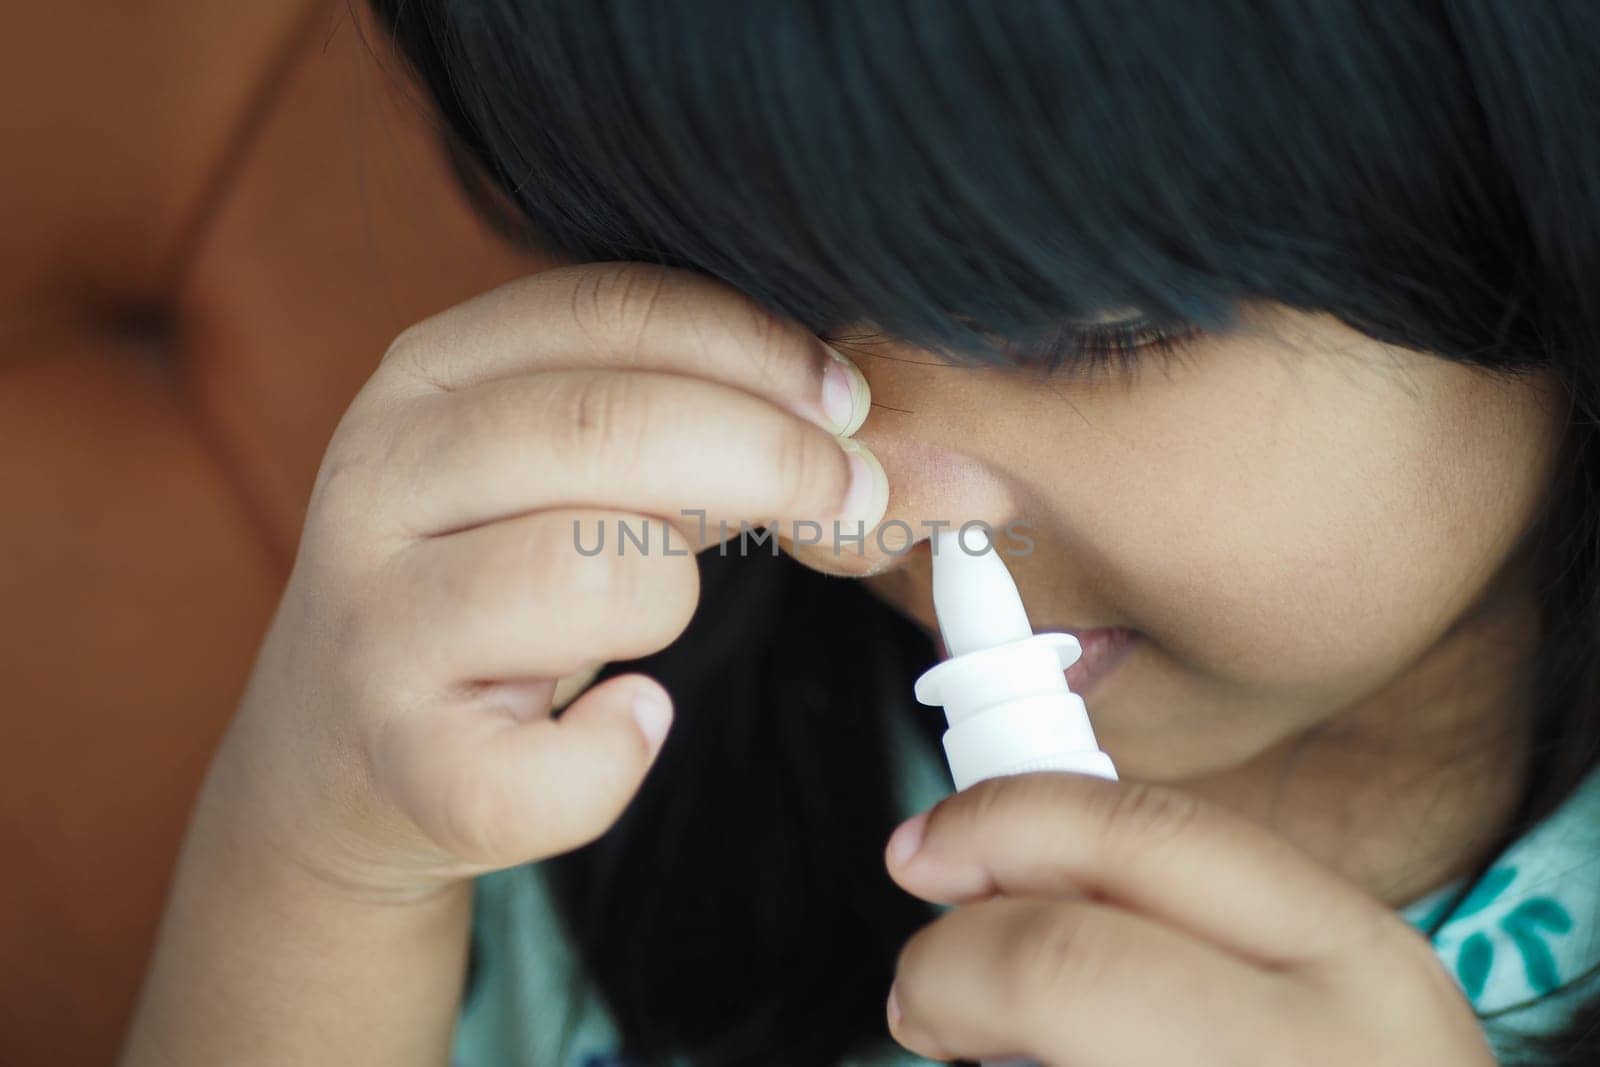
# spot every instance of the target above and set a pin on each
(907, 838)
(653, 712)
(894, 1006)
(846, 397)
(868, 497)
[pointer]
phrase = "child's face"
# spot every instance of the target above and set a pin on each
(1293, 519)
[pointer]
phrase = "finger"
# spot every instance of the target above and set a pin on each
(648, 442)
(1075, 982)
(498, 789)
(531, 596)
(1158, 850)
(631, 316)
(849, 552)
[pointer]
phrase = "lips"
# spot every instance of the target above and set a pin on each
(1103, 649)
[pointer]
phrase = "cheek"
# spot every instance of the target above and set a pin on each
(1329, 539)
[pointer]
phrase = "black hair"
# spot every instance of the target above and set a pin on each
(1427, 172)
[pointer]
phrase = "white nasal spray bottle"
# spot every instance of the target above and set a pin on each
(1004, 687)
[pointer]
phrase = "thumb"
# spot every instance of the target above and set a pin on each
(581, 770)
(497, 791)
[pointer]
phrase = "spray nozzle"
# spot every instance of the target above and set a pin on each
(974, 595)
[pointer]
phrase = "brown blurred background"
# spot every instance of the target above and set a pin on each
(216, 217)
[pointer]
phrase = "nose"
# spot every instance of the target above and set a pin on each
(930, 425)
(931, 486)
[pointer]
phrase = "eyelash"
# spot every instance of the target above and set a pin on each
(1117, 348)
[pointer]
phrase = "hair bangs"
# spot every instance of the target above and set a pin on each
(947, 172)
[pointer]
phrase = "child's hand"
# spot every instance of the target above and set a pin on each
(1109, 924)
(396, 734)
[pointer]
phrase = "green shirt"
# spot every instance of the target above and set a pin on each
(1528, 932)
